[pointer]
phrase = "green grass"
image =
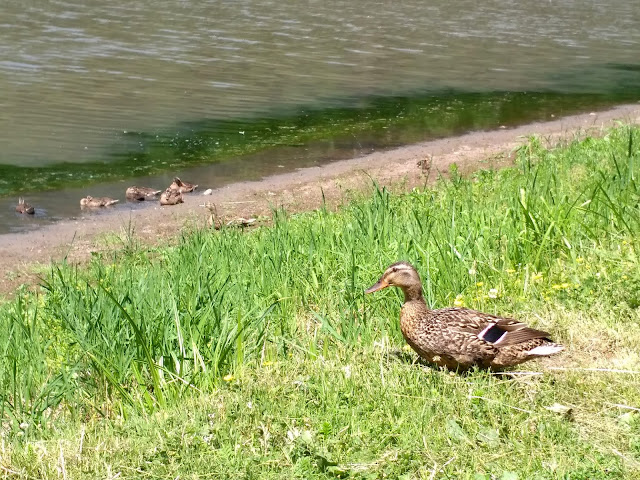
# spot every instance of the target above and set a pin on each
(256, 354)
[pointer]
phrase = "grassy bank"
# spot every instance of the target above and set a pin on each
(256, 355)
(365, 123)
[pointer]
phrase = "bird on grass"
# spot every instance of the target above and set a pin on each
(460, 338)
(217, 221)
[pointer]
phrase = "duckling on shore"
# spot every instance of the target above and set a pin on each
(171, 197)
(214, 220)
(92, 202)
(217, 221)
(182, 187)
(23, 207)
(460, 337)
(141, 193)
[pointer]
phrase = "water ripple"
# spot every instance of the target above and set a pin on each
(76, 72)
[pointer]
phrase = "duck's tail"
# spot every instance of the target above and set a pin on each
(546, 350)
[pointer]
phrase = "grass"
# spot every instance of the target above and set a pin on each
(256, 355)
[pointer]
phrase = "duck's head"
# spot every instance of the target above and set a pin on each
(402, 275)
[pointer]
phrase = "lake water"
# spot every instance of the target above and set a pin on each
(88, 83)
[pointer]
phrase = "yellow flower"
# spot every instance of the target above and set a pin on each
(579, 260)
(267, 363)
(228, 378)
(565, 285)
(479, 284)
(556, 287)
(624, 277)
(537, 277)
(510, 270)
(459, 301)
(406, 348)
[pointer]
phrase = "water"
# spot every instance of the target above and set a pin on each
(94, 91)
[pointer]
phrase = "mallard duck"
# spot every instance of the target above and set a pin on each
(89, 201)
(460, 337)
(171, 197)
(23, 207)
(182, 187)
(141, 193)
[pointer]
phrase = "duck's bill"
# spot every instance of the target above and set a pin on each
(378, 286)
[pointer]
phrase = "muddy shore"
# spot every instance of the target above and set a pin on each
(23, 255)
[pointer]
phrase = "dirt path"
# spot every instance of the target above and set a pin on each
(23, 255)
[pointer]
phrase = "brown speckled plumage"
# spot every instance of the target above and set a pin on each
(141, 193)
(93, 202)
(182, 187)
(460, 337)
(171, 197)
(24, 207)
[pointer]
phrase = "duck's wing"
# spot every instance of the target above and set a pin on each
(490, 328)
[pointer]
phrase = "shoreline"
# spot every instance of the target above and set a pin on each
(300, 190)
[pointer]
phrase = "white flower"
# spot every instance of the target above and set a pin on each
(493, 293)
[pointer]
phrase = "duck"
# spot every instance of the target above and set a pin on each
(89, 201)
(171, 197)
(461, 338)
(141, 193)
(182, 187)
(23, 207)
(216, 222)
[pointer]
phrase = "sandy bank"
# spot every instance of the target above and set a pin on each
(22, 254)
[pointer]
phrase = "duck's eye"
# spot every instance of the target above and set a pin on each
(394, 269)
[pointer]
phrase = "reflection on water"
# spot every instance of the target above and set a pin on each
(76, 74)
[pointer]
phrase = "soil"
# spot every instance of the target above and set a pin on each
(23, 256)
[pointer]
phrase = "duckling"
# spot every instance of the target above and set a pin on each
(23, 207)
(216, 221)
(459, 338)
(89, 201)
(141, 193)
(171, 197)
(182, 187)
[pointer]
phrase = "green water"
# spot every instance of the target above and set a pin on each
(373, 123)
